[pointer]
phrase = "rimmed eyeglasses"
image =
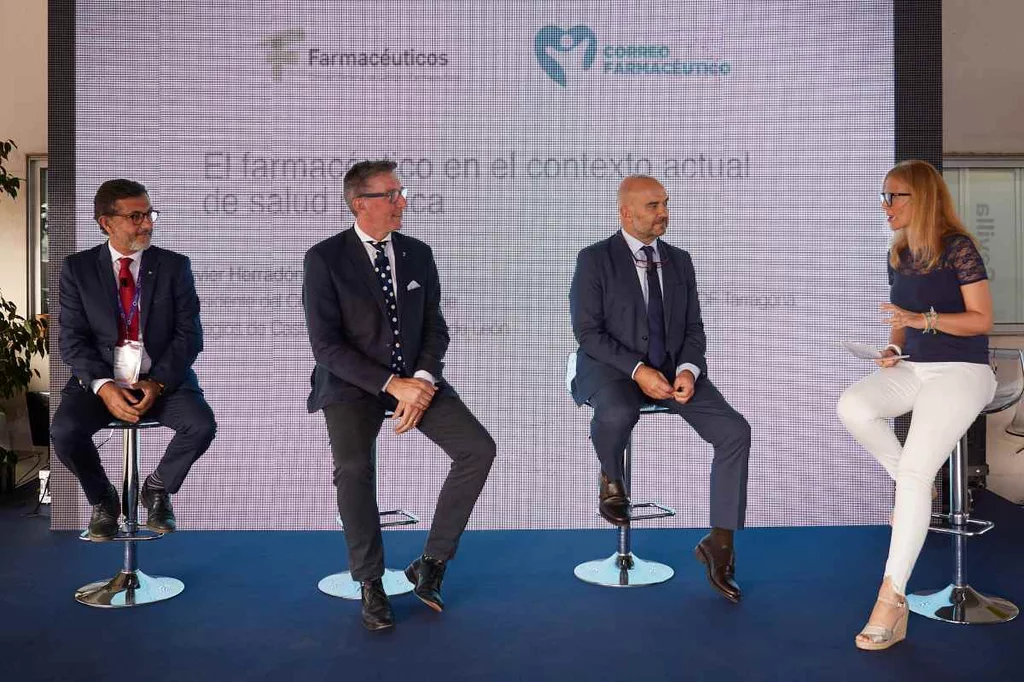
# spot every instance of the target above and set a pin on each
(887, 197)
(391, 194)
(139, 217)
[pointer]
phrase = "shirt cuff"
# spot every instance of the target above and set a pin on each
(384, 389)
(424, 374)
(690, 366)
(98, 384)
(633, 373)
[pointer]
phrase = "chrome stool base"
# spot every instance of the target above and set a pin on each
(342, 585)
(963, 605)
(623, 570)
(129, 589)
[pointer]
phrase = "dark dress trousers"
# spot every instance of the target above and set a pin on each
(173, 338)
(351, 340)
(609, 320)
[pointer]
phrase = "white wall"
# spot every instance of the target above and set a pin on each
(983, 76)
(23, 109)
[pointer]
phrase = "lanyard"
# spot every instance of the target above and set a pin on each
(133, 309)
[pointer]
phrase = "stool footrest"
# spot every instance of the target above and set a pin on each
(405, 518)
(944, 523)
(664, 511)
(124, 536)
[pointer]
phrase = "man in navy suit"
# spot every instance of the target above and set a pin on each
(636, 316)
(118, 301)
(372, 301)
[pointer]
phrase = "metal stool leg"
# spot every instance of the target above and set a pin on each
(342, 585)
(624, 569)
(130, 587)
(958, 602)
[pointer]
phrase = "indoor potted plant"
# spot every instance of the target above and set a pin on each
(20, 339)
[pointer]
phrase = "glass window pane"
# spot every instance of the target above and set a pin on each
(991, 216)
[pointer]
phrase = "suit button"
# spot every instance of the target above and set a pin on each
(644, 338)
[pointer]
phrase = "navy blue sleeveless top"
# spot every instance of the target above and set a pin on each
(913, 289)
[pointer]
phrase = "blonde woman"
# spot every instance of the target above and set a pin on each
(939, 313)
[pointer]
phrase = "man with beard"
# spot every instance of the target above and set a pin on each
(129, 331)
(636, 317)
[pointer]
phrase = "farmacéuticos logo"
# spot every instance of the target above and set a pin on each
(282, 49)
(625, 59)
(279, 50)
(554, 38)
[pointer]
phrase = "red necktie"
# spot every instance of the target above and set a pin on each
(129, 312)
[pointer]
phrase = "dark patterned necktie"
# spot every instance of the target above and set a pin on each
(655, 313)
(382, 267)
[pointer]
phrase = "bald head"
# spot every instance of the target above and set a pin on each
(636, 183)
(643, 207)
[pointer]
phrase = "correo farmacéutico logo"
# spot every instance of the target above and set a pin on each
(555, 38)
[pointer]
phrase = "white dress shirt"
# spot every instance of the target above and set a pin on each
(389, 251)
(147, 362)
(636, 247)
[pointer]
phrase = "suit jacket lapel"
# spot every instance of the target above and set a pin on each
(669, 282)
(108, 283)
(625, 265)
(356, 253)
(148, 266)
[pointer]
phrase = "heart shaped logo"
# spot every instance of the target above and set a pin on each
(553, 38)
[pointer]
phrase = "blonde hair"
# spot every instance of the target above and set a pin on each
(934, 216)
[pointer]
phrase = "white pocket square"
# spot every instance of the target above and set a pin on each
(413, 285)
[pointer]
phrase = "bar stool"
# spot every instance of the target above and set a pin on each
(341, 584)
(958, 602)
(623, 568)
(130, 587)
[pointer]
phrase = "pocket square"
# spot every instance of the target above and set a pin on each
(413, 285)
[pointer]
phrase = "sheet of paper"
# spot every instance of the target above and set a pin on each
(866, 351)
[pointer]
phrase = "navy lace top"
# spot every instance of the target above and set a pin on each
(915, 290)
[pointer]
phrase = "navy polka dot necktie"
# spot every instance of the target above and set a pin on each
(382, 267)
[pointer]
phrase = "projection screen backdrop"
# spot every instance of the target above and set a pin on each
(513, 123)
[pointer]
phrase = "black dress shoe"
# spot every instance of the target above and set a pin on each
(103, 522)
(377, 613)
(426, 574)
(157, 502)
(614, 503)
(721, 566)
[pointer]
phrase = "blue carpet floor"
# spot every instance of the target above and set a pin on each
(251, 610)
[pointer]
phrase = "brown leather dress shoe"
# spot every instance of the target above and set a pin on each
(614, 503)
(721, 567)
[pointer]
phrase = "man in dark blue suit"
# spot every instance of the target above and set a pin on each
(372, 301)
(636, 316)
(127, 301)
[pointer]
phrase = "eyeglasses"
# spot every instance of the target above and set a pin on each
(138, 217)
(887, 197)
(391, 194)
